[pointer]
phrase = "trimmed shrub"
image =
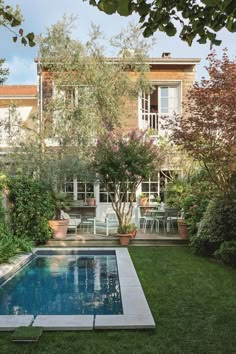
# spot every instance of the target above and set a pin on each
(227, 253)
(218, 225)
(31, 208)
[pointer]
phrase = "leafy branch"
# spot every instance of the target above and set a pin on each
(10, 19)
(201, 19)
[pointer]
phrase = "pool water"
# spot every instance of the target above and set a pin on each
(64, 285)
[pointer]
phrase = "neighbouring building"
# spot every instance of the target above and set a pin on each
(18, 105)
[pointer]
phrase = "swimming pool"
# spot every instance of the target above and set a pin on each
(123, 307)
(83, 283)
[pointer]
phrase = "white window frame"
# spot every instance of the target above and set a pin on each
(160, 84)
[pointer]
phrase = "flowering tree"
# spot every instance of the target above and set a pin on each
(122, 163)
(208, 131)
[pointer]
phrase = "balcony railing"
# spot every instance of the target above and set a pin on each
(153, 122)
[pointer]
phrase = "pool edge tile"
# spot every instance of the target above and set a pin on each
(139, 321)
(11, 322)
(8, 269)
(65, 322)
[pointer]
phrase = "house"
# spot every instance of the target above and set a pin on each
(170, 78)
(18, 105)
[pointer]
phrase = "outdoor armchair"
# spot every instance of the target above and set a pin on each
(109, 224)
(74, 220)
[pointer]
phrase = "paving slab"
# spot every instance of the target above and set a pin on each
(134, 301)
(129, 281)
(8, 269)
(124, 322)
(11, 322)
(64, 322)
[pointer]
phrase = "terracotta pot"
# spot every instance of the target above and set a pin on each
(143, 201)
(124, 239)
(183, 229)
(133, 234)
(91, 202)
(59, 228)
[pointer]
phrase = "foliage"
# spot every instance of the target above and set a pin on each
(91, 91)
(126, 229)
(227, 253)
(195, 202)
(122, 163)
(218, 225)
(4, 72)
(191, 194)
(51, 168)
(207, 131)
(196, 18)
(11, 245)
(11, 18)
(32, 207)
(176, 191)
(143, 195)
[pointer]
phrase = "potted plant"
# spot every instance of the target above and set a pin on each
(58, 225)
(183, 228)
(175, 195)
(125, 232)
(122, 162)
(143, 199)
(91, 200)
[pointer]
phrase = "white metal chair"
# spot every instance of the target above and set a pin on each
(148, 219)
(74, 220)
(110, 223)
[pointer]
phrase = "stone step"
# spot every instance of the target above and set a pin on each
(159, 242)
(114, 242)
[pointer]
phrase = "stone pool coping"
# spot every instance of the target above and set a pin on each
(136, 311)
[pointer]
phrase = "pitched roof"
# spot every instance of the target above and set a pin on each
(18, 91)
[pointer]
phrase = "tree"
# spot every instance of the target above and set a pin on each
(196, 18)
(122, 163)
(4, 72)
(92, 93)
(208, 130)
(11, 18)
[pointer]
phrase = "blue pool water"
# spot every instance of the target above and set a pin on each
(64, 285)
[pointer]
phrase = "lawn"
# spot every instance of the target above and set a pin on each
(193, 301)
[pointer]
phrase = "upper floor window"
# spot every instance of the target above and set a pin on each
(73, 94)
(154, 107)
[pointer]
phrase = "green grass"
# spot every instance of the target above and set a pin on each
(27, 334)
(193, 301)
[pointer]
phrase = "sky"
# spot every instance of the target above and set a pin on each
(40, 14)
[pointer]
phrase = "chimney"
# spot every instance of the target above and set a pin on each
(165, 55)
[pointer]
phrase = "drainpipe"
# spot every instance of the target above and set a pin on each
(40, 107)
